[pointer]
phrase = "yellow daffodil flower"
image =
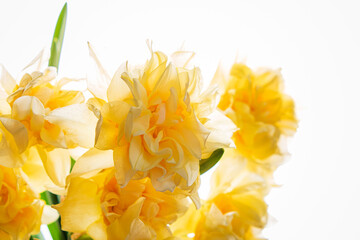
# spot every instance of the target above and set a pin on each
(235, 209)
(157, 121)
(98, 206)
(255, 102)
(40, 122)
(21, 210)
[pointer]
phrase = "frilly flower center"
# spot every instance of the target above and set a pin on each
(117, 200)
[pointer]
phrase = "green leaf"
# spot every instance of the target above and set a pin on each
(58, 38)
(208, 163)
(55, 230)
(50, 198)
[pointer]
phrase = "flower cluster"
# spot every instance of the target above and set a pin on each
(39, 123)
(154, 126)
(263, 114)
(144, 134)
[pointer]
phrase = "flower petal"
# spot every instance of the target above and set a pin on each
(77, 122)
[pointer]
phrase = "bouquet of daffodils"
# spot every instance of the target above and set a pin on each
(146, 134)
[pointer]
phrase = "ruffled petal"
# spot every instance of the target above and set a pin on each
(81, 207)
(77, 123)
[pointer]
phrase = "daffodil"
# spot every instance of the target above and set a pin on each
(158, 121)
(98, 206)
(255, 102)
(235, 209)
(40, 122)
(21, 210)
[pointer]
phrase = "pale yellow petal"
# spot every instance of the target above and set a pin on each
(7, 82)
(93, 160)
(97, 230)
(17, 131)
(139, 231)
(49, 215)
(27, 107)
(187, 223)
(37, 63)
(81, 207)
(169, 79)
(98, 79)
(182, 58)
(110, 126)
(57, 164)
(77, 122)
(141, 159)
(123, 170)
(118, 90)
(120, 228)
(35, 171)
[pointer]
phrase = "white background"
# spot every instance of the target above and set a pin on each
(316, 43)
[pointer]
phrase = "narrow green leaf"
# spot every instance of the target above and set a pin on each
(50, 198)
(58, 38)
(208, 163)
(55, 230)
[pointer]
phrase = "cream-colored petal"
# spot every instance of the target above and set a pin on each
(49, 215)
(118, 90)
(182, 58)
(27, 107)
(7, 82)
(139, 157)
(219, 78)
(139, 231)
(57, 164)
(123, 170)
(37, 63)
(219, 137)
(98, 79)
(168, 80)
(151, 76)
(93, 160)
(18, 131)
(53, 135)
(34, 170)
(77, 122)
